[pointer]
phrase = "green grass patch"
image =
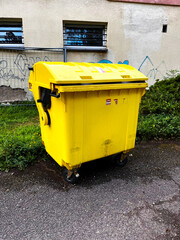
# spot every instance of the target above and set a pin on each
(17, 114)
(155, 126)
(20, 140)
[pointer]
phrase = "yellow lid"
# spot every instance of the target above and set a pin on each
(73, 73)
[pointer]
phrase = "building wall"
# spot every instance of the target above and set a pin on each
(134, 33)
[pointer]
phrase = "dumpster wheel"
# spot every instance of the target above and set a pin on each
(70, 176)
(120, 159)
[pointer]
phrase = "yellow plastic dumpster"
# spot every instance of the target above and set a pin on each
(87, 111)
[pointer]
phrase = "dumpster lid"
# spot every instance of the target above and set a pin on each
(75, 73)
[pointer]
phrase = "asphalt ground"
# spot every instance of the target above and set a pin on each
(140, 201)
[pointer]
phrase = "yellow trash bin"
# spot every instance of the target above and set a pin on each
(87, 111)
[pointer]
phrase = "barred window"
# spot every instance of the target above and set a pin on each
(11, 31)
(84, 35)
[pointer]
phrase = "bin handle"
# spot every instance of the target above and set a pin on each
(54, 95)
(45, 117)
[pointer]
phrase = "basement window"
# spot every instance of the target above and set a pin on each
(11, 32)
(164, 28)
(85, 36)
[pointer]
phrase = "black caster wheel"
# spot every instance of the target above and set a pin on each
(72, 179)
(120, 160)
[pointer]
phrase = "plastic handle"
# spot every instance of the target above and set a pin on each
(54, 95)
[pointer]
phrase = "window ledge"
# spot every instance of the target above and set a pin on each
(84, 48)
(11, 45)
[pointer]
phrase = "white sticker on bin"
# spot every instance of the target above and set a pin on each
(108, 101)
(100, 70)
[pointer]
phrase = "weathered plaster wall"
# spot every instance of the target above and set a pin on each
(7, 94)
(134, 33)
(150, 50)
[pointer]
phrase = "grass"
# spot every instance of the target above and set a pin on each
(158, 126)
(20, 140)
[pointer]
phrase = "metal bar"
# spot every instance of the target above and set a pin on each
(65, 55)
(10, 42)
(71, 34)
(83, 39)
(21, 48)
(84, 44)
(87, 48)
(31, 48)
(6, 30)
(72, 26)
(84, 33)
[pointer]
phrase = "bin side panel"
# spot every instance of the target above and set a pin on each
(132, 117)
(55, 135)
(75, 122)
(106, 123)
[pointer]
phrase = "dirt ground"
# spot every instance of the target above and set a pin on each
(139, 201)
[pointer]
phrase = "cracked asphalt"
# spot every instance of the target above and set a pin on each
(140, 201)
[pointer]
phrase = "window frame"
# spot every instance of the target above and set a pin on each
(85, 25)
(12, 22)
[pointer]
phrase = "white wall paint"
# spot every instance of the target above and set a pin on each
(142, 26)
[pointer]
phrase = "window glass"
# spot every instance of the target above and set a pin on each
(84, 35)
(11, 32)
